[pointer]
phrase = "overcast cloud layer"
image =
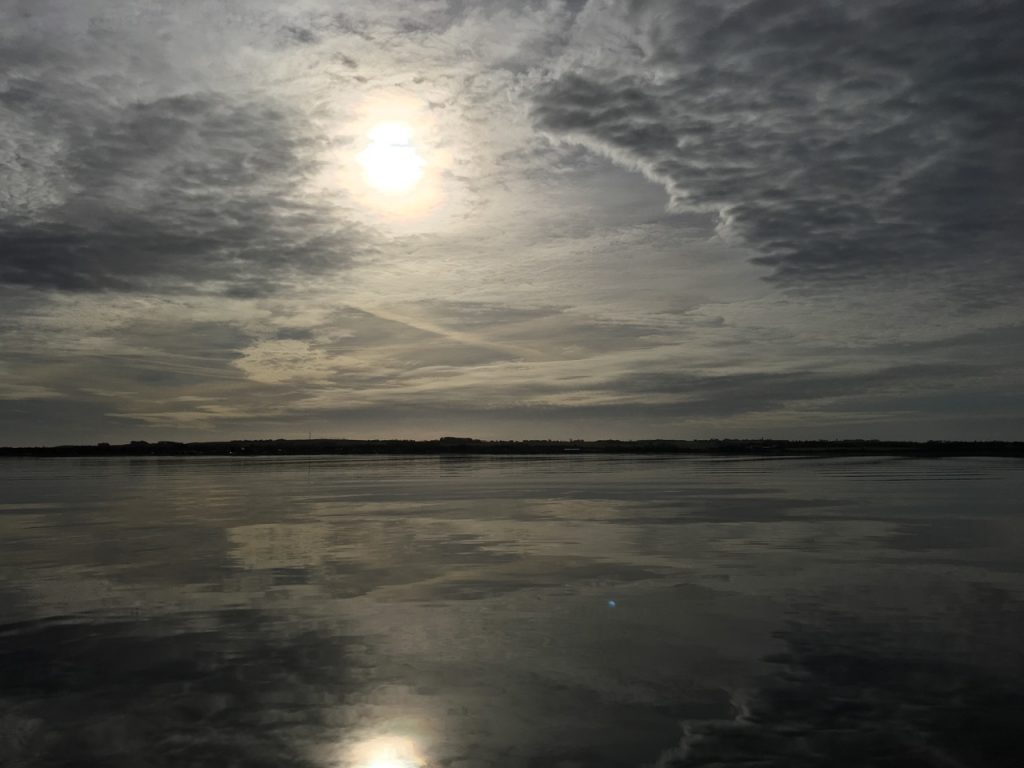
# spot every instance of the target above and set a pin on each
(639, 219)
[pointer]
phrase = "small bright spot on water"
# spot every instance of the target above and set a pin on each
(388, 752)
(611, 603)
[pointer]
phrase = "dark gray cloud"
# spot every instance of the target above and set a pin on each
(172, 194)
(730, 394)
(839, 140)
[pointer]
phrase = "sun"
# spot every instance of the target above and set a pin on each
(390, 161)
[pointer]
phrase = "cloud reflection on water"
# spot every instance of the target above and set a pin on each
(329, 613)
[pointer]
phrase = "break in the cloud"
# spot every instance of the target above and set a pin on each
(646, 218)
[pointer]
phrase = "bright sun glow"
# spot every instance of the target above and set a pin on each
(388, 752)
(390, 161)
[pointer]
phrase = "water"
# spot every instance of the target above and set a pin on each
(382, 612)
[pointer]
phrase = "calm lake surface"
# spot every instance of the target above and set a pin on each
(383, 612)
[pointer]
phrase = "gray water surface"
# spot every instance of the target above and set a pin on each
(384, 612)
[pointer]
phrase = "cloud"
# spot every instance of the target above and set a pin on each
(840, 141)
(179, 192)
(184, 247)
(203, 149)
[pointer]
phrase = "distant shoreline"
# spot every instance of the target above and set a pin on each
(469, 446)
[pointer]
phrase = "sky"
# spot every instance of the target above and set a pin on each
(548, 219)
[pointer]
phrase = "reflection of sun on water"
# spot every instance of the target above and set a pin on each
(388, 752)
(390, 161)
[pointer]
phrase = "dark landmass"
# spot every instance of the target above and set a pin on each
(470, 446)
